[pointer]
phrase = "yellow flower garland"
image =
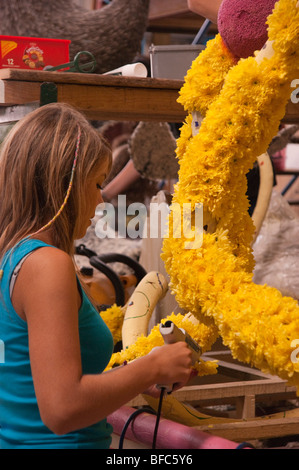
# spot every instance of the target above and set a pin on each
(215, 281)
(242, 106)
(144, 344)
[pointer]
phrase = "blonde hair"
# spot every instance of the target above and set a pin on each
(36, 161)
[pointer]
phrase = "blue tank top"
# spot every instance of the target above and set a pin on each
(20, 422)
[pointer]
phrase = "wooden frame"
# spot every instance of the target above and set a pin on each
(243, 387)
(234, 383)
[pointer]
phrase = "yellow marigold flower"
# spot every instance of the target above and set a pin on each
(114, 317)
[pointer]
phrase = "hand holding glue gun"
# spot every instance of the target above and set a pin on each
(172, 334)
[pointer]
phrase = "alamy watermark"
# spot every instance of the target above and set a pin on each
(295, 93)
(138, 221)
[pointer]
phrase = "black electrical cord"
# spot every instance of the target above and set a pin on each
(133, 415)
(138, 412)
(158, 417)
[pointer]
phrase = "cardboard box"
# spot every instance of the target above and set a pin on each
(32, 53)
(173, 61)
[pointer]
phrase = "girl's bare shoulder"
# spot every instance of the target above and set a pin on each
(48, 261)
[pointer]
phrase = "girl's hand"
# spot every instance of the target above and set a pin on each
(173, 363)
(154, 391)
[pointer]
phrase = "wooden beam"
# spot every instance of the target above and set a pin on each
(253, 429)
(231, 389)
(105, 103)
(194, 394)
(245, 407)
(104, 97)
(100, 97)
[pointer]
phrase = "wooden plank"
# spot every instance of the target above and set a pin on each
(232, 389)
(253, 429)
(245, 407)
(89, 79)
(218, 391)
(100, 97)
(104, 103)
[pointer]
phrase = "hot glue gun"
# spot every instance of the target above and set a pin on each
(172, 334)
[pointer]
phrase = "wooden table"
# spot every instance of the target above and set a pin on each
(103, 97)
(100, 97)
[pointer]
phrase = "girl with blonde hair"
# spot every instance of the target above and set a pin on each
(53, 392)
